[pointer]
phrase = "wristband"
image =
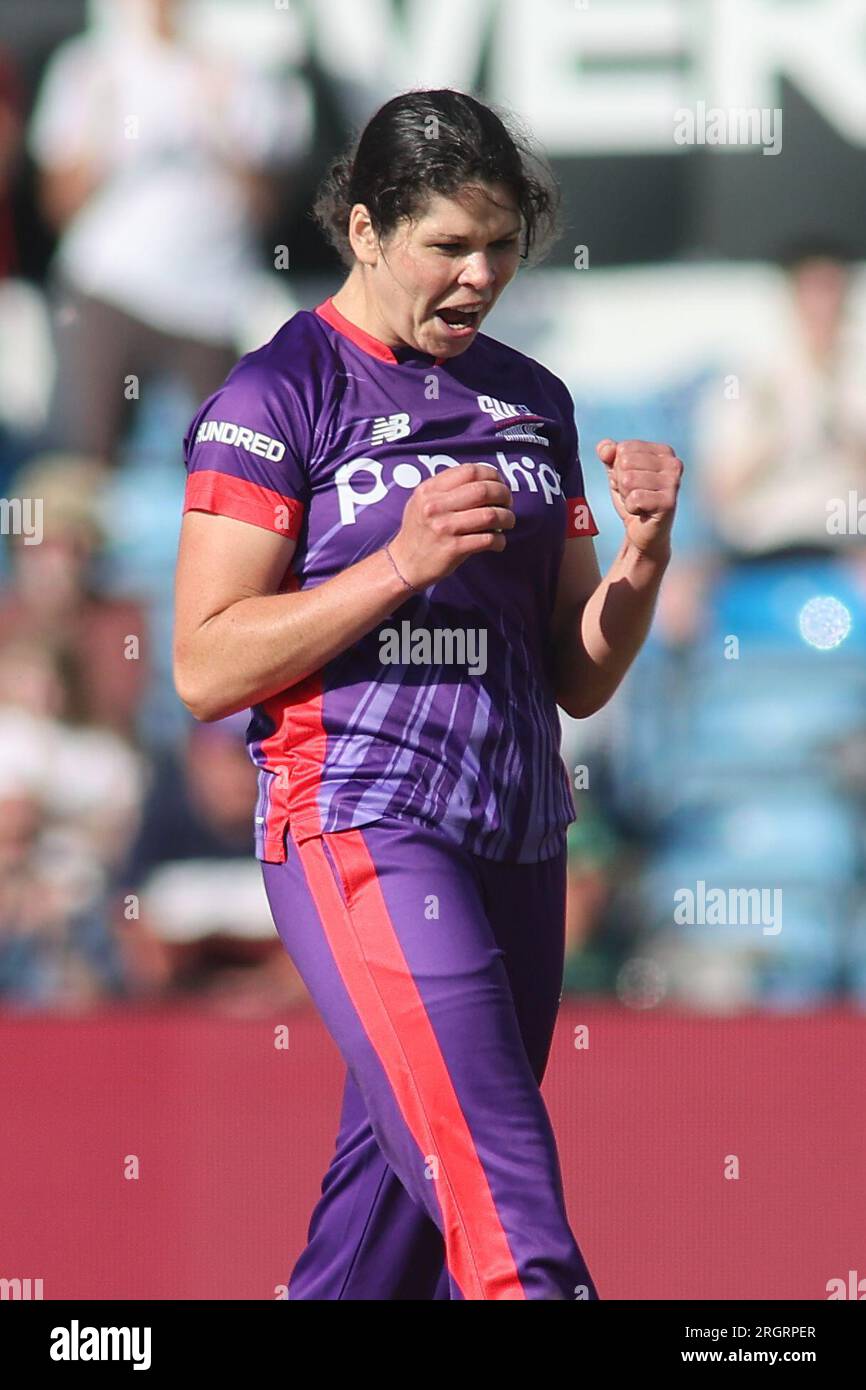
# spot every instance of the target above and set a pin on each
(409, 586)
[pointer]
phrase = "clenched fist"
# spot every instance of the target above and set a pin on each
(460, 511)
(644, 481)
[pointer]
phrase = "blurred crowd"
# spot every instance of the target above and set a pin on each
(734, 755)
(731, 761)
(125, 828)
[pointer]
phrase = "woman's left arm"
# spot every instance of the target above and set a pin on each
(599, 625)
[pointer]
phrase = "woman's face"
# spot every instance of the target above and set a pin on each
(460, 253)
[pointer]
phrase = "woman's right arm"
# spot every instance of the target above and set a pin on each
(238, 639)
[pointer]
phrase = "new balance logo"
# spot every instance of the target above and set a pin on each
(226, 432)
(389, 427)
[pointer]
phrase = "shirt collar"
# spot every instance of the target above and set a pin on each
(397, 356)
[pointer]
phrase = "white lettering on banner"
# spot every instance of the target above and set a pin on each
(575, 75)
(574, 72)
(526, 473)
(377, 43)
(227, 432)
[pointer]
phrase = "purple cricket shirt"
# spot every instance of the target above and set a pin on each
(444, 713)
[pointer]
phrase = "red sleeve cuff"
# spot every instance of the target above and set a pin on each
(579, 520)
(210, 491)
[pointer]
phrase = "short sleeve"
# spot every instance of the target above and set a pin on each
(579, 520)
(246, 452)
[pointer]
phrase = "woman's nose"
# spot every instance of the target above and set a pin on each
(478, 271)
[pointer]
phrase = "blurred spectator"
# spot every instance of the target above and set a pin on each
(594, 860)
(69, 798)
(204, 923)
(16, 302)
(11, 129)
(773, 456)
(56, 947)
(157, 162)
(795, 437)
(54, 596)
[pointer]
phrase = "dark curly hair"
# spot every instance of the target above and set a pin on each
(424, 142)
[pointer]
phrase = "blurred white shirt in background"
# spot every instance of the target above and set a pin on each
(789, 443)
(167, 237)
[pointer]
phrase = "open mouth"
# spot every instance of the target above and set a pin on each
(459, 322)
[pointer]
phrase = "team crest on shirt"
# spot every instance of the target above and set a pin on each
(514, 422)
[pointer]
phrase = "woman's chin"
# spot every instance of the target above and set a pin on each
(448, 343)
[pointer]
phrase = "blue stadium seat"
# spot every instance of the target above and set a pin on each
(799, 831)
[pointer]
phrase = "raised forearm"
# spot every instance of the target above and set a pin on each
(605, 635)
(261, 645)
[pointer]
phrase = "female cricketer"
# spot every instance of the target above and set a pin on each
(386, 554)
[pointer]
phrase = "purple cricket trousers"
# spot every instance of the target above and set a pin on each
(438, 974)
